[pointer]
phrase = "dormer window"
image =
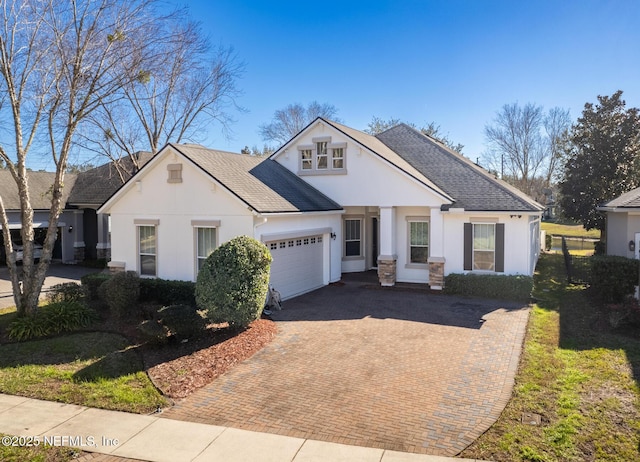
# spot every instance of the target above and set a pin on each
(322, 157)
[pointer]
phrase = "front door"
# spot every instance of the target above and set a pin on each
(375, 241)
(637, 252)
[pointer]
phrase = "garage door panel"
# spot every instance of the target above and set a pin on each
(297, 265)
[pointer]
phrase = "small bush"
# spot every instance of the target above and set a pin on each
(502, 287)
(121, 293)
(28, 327)
(92, 282)
(548, 242)
(52, 319)
(613, 278)
(152, 331)
(233, 282)
(67, 292)
(183, 321)
(168, 292)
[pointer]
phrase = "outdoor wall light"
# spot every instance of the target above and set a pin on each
(632, 246)
(333, 236)
(70, 229)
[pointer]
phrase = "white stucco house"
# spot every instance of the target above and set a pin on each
(330, 201)
(623, 224)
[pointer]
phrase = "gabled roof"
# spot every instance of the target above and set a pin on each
(628, 200)
(95, 186)
(262, 184)
(40, 184)
(381, 149)
(472, 187)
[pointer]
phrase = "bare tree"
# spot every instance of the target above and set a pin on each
(432, 130)
(557, 125)
(177, 97)
(290, 120)
(59, 61)
(519, 150)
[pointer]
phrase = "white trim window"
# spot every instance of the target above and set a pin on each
(206, 243)
(147, 250)
(484, 246)
(419, 242)
(306, 159)
(337, 158)
(321, 155)
(353, 237)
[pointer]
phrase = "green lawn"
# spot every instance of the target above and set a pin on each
(578, 375)
(557, 229)
(93, 369)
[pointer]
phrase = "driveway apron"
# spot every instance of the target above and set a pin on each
(397, 369)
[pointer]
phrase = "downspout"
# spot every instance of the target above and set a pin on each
(257, 221)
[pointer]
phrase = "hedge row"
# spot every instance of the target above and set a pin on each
(502, 287)
(613, 278)
(162, 291)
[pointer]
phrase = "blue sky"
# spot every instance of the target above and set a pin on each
(452, 62)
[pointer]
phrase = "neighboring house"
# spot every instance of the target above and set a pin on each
(623, 224)
(90, 190)
(82, 234)
(40, 192)
(332, 200)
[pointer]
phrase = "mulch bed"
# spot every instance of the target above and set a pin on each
(180, 369)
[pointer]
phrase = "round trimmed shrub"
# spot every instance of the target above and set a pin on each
(92, 282)
(67, 292)
(183, 321)
(121, 293)
(233, 282)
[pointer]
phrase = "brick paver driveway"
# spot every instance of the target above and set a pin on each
(394, 369)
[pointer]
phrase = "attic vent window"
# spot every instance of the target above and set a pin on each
(175, 173)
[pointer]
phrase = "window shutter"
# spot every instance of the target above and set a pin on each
(500, 248)
(468, 246)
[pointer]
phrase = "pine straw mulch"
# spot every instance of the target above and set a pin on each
(179, 369)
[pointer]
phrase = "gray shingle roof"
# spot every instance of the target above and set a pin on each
(39, 189)
(472, 187)
(95, 186)
(263, 184)
(628, 200)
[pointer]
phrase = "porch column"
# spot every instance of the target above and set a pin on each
(103, 247)
(388, 257)
(436, 251)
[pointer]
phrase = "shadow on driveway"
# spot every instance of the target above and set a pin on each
(367, 300)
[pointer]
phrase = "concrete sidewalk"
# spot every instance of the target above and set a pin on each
(154, 439)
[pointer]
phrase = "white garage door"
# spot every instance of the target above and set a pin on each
(297, 265)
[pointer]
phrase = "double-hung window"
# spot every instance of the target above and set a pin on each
(205, 239)
(419, 242)
(147, 250)
(484, 246)
(337, 157)
(306, 159)
(352, 237)
(205, 245)
(321, 155)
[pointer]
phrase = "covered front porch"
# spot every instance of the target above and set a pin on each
(403, 243)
